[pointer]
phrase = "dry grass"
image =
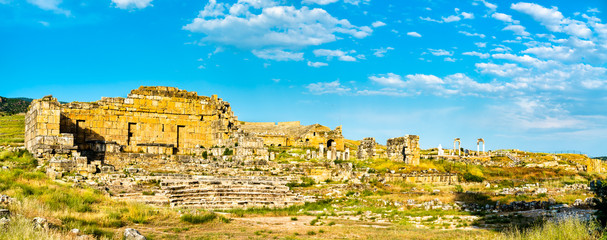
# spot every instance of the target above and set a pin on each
(567, 229)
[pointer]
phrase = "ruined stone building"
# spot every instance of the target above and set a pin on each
(293, 134)
(366, 149)
(154, 122)
(404, 149)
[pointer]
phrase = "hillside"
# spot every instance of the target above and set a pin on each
(14, 105)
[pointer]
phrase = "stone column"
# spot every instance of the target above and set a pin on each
(321, 151)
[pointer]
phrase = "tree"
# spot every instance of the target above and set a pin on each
(600, 201)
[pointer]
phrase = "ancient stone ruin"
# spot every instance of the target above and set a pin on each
(366, 149)
(404, 149)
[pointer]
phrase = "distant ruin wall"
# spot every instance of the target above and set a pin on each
(405, 149)
(432, 178)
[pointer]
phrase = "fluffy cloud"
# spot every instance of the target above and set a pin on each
(467, 15)
(264, 24)
(50, 5)
(339, 54)
(327, 87)
(451, 18)
(381, 51)
(317, 64)
(440, 52)
(473, 53)
(517, 29)
(319, 2)
(131, 4)
(489, 5)
(414, 34)
(278, 55)
(389, 79)
(377, 24)
(553, 20)
(504, 18)
(472, 34)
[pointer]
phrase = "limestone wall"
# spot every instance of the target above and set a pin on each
(432, 178)
(293, 134)
(157, 117)
(42, 131)
(366, 149)
(404, 149)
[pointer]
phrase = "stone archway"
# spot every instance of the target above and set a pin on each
(330, 143)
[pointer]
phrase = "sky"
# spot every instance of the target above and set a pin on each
(529, 75)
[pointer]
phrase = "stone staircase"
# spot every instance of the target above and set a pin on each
(220, 192)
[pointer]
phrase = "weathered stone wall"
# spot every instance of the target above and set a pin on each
(432, 178)
(42, 130)
(230, 192)
(366, 149)
(293, 134)
(404, 149)
(159, 117)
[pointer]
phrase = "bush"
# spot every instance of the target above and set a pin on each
(202, 218)
(468, 177)
(228, 152)
(600, 191)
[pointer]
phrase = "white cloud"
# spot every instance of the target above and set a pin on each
(389, 79)
(481, 44)
(480, 55)
(467, 15)
(472, 34)
(593, 10)
(488, 5)
(381, 51)
(131, 4)
(504, 70)
(440, 52)
(553, 52)
(317, 64)
(50, 5)
(319, 2)
(278, 55)
(504, 18)
(553, 20)
(517, 29)
(377, 24)
(270, 26)
(327, 87)
(339, 54)
(46, 24)
(451, 18)
(450, 59)
(414, 34)
(430, 19)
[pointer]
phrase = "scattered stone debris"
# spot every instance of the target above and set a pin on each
(133, 234)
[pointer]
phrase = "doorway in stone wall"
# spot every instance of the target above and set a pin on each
(180, 139)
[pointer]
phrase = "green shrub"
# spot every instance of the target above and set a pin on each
(468, 177)
(198, 218)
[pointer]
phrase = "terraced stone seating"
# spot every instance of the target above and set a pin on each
(230, 192)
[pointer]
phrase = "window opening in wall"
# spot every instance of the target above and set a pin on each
(131, 133)
(80, 132)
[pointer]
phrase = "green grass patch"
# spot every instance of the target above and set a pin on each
(12, 129)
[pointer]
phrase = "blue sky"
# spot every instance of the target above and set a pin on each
(530, 75)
